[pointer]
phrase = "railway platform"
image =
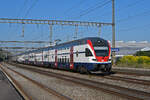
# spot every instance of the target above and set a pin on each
(7, 90)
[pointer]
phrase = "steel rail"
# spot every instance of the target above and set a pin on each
(131, 80)
(49, 90)
(132, 73)
(16, 85)
(131, 94)
(125, 79)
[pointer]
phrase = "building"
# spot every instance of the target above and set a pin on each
(131, 47)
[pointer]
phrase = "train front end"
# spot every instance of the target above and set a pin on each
(99, 51)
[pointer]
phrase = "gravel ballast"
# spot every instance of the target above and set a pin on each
(31, 89)
(71, 90)
(101, 79)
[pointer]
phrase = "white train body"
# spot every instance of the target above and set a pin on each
(90, 54)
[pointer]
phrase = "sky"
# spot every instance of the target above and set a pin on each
(132, 18)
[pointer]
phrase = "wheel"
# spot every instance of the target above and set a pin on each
(107, 68)
(83, 70)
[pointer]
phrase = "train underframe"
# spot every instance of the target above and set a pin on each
(79, 67)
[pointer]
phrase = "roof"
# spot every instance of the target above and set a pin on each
(67, 44)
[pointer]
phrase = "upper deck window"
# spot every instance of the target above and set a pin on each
(99, 43)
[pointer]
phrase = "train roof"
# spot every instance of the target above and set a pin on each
(80, 41)
(67, 44)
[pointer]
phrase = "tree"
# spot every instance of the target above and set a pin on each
(143, 53)
(4, 55)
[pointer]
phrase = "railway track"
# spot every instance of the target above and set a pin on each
(17, 85)
(49, 90)
(126, 79)
(129, 72)
(130, 94)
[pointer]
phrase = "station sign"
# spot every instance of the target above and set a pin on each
(115, 49)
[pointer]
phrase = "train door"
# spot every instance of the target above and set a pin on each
(42, 58)
(56, 64)
(48, 57)
(71, 58)
(35, 59)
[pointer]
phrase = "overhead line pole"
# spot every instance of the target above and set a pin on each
(113, 30)
(51, 33)
(99, 32)
(76, 31)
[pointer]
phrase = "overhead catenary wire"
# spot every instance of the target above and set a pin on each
(74, 6)
(22, 8)
(89, 8)
(133, 28)
(125, 7)
(133, 16)
(33, 4)
(134, 3)
(87, 11)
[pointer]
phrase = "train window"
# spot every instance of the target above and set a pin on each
(46, 56)
(101, 53)
(88, 52)
(65, 59)
(77, 53)
(99, 43)
(62, 60)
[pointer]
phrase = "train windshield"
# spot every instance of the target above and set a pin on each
(101, 48)
(102, 53)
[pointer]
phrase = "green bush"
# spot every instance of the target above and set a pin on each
(134, 61)
(143, 53)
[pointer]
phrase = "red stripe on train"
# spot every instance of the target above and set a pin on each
(71, 58)
(56, 64)
(109, 48)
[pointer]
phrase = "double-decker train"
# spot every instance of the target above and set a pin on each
(83, 55)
